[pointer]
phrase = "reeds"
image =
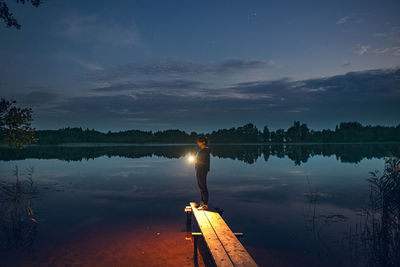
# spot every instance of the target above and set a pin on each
(381, 232)
(18, 220)
(376, 239)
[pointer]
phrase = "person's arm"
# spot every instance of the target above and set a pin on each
(201, 159)
(207, 162)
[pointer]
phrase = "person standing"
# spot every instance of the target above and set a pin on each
(202, 166)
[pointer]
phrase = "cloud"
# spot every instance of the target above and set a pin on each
(361, 49)
(346, 63)
(87, 65)
(177, 88)
(176, 103)
(180, 68)
(95, 28)
(393, 34)
(351, 87)
(395, 50)
(76, 26)
(238, 65)
(150, 85)
(37, 96)
(319, 89)
(298, 110)
(156, 89)
(342, 20)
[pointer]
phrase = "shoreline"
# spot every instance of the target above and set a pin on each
(99, 144)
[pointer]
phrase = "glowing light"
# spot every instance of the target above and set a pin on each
(191, 158)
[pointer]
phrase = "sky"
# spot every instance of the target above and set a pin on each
(203, 65)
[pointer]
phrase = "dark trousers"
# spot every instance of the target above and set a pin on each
(201, 175)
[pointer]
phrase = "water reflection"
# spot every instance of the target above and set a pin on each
(110, 210)
(352, 153)
(18, 219)
(318, 223)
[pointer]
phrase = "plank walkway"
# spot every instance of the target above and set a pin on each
(223, 245)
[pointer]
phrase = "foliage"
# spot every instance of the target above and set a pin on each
(8, 17)
(15, 124)
(348, 132)
(245, 134)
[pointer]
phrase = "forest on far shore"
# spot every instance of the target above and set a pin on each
(345, 132)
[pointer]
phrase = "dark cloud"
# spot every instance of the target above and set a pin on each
(368, 96)
(152, 85)
(39, 96)
(237, 65)
(178, 68)
(353, 86)
(177, 88)
(346, 64)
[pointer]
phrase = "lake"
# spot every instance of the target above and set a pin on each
(297, 205)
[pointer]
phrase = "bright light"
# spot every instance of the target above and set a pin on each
(191, 158)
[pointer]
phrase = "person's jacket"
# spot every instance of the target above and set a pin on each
(203, 160)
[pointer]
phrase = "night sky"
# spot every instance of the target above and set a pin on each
(203, 65)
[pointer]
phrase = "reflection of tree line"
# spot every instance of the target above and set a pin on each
(248, 153)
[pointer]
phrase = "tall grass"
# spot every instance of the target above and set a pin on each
(376, 240)
(18, 220)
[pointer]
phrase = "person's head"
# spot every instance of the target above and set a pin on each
(202, 141)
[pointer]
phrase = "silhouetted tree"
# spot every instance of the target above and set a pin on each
(293, 133)
(350, 132)
(298, 133)
(266, 134)
(8, 17)
(278, 136)
(15, 124)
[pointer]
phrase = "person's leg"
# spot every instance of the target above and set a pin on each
(205, 190)
(202, 182)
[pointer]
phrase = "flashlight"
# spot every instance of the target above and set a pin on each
(191, 158)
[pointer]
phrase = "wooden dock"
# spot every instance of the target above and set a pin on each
(223, 245)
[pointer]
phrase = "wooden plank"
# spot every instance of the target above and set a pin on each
(236, 234)
(237, 253)
(213, 243)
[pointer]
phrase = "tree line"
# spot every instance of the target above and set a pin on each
(345, 132)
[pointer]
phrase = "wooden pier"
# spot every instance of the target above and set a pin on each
(223, 245)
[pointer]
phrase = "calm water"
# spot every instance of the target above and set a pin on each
(296, 205)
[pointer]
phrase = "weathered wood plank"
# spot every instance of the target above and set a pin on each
(236, 234)
(213, 243)
(237, 253)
